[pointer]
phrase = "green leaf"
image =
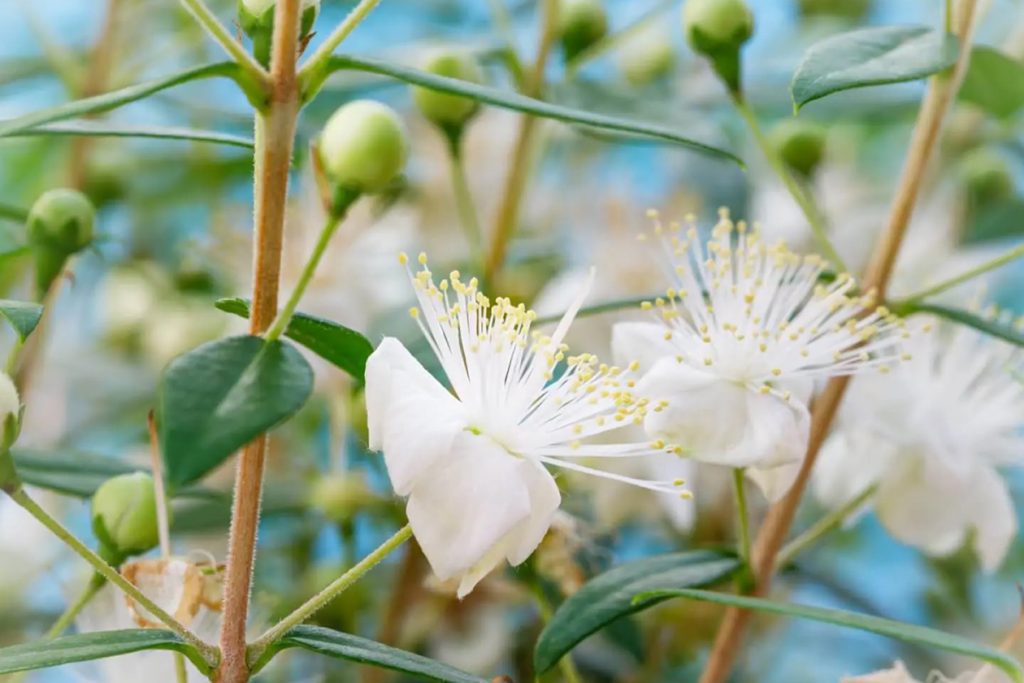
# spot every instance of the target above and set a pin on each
(22, 315)
(996, 220)
(83, 647)
(994, 82)
(871, 56)
(609, 596)
(79, 474)
(121, 130)
(911, 633)
(12, 213)
(219, 396)
(527, 105)
(353, 648)
(115, 98)
(995, 328)
(335, 343)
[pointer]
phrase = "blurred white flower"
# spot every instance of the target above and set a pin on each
(472, 463)
(191, 592)
(899, 674)
(26, 548)
(934, 431)
(736, 345)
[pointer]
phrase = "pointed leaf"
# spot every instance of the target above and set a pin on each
(353, 648)
(335, 343)
(609, 596)
(22, 315)
(527, 105)
(871, 56)
(84, 647)
(911, 633)
(123, 130)
(221, 395)
(994, 82)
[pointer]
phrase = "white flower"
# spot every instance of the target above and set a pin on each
(933, 432)
(899, 674)
(190, 592)
(472, 462)
(27, 548)
(736, 344)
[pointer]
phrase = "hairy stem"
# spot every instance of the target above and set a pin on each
(333, 590)
(773, 532)
(275, 136)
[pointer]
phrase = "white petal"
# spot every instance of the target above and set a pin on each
(993, 517)
(466, 503)
(411, 417)
(850, 462)
(897, 674)
(544, 501)
(774, 482)
(681, 513)
(641, 342)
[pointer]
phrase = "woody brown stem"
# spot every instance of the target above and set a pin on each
(275, 135)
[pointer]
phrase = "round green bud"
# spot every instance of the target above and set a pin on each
(61, 221)
(800, 144)
(987, 176)
(440, 108)
(256, 17)
(714, 26)
(339, 497)
(647, 56)
(581, 23)
(363, 146)
(124, 515)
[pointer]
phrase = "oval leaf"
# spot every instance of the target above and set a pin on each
(122, 130)
(336, 344)
(22, 315)
(994, 82)
(911, 633)
(221, 395)
(353, 648)
(871, 56)
(527, 105)
(609, 596)
(83, 647)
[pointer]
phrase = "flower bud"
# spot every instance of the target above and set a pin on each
(340, 496)
(647, 56)
(800, 144)
(581, 23)
(59, 225)
(256, 17)
(449, 111)
(363, 147)
(986, 176)
(718, 29)
(124, 515)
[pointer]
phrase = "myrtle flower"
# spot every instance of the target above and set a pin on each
(472, 461)
(933, 432)
(190, 591)
(737, 342)
(899, 674)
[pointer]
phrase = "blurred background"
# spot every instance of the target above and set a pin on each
(174, 229)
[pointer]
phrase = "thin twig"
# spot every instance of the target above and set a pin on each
(999, 261)
(220, 33)
(315, 69)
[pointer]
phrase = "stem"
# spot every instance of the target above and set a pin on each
(565, 664)
(799, 194)
(280, 323)
(773, 532)
(220, 33)
(333, 590)
(74, 609)
(826, 525)
(515, 181)
(21, 497)
(464, 200)
(742, 515)
(315, 70)
(275, 136)
(1012, 255)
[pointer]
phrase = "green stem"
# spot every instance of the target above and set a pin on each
(1001, 260)
(314, 72)
(333, 590)
(799, 194)
(565, 664)
(13, 213)
(827, 524)
(180, 672)
(742, 515)
(220, 33)
(284, 317)
(21, 497)
(464, 201)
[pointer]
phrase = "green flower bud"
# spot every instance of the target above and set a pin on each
(339, 497)
(800, 144)
(647, 56)
(59, 225)
(581, 23)
(256, 17)
(124, 515)
(718, 29)
(363, 147)
(449, 111)
(986, 176)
